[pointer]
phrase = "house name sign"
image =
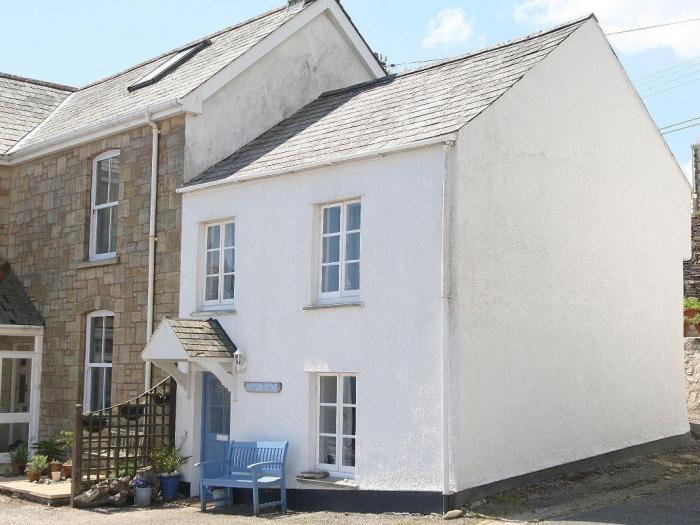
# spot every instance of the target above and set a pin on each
(262, 387)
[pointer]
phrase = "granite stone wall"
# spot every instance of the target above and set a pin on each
(692, 374)
(48, 232)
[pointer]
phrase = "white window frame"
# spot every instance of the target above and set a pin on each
(339, 468)
(342, 292)
(95, 207)
(220, 301)
(87, 390)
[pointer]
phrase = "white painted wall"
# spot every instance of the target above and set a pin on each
(392, 342)
(315, 59)
(570, 226)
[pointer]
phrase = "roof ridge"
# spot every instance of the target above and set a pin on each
(184, 46)
(54, 85)
(499, 45)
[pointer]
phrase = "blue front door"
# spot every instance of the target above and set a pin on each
(216, 417)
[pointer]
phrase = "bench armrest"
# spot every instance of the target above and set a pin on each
(211, 461)
(257, 465)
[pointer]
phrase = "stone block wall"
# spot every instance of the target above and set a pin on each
(49, 231)
(692, 374)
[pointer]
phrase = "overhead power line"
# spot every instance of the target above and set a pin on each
(661, 72)
(680, 129)
(672, 80)
(679, 123)
(654, 26)
(670, 88)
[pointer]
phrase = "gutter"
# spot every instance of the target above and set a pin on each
(447, 493)
(61, 141)
(155, 131)
(449, 137)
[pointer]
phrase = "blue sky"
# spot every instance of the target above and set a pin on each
(80, 41)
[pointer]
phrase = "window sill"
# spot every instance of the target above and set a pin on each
(323, 306)
(214, 313)
(331, 482)
(96, 263)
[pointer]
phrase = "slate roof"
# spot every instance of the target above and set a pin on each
(109, 99)
(391, 111)
(15, 306)
(202, 338)
(24, 103)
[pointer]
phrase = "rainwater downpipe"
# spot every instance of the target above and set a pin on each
(447, 493)
(151, 242)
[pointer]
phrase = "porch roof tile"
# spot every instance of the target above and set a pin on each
(202, 338)
(15, 306)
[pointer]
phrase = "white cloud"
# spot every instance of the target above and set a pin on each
(617, 15)
(449, 26)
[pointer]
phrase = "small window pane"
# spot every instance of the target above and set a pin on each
(329, 389)
(326, 450)
(13, 434)
(348, 452)
(15, 380)
(212, 289)
(113, 229)
(213, 236)
(102, 228)
(108, 339)
(349, 414)
(230, 234)
(212, 263)
(102, 182)
(326, 420)
(219, 420)
(229, 284)
(114, 179)
(349, 390)
(229, 260)
(353, 222)
(100, 387)
(330, 276)
(331, 249)
(107, 387)
(96, 324)
(352, 246)
(352, 276)
(331, 219)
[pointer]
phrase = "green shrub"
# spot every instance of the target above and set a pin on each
(37, 464)
(691, 303)
(20, 455)
(51, 448)
(167, 458)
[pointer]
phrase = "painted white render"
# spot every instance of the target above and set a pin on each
(315, 58)
(570, 225)
(392, 341)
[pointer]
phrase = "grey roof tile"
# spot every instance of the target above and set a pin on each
(24, 103)
(391, 111)
(108, 99)
(202, 338)
(15, 306)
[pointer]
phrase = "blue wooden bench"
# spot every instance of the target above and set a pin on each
(248, 465)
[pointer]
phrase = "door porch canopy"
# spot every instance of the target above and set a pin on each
(181, 347)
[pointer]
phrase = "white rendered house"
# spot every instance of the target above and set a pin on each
(439, 283)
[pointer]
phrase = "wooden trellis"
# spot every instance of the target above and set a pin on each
(117, 440)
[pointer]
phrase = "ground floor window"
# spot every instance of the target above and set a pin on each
(337, 421)
(98, 361)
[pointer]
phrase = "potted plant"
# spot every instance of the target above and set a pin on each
(36, 466)
(132, 412)
(54, 470)
(691, 307)
(161, 397)
(55, 453)
(142, 491)
(166, 460)
(18, 458)
(65, 438)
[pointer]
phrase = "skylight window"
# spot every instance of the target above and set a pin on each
(169, 65)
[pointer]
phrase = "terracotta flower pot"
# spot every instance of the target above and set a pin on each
(67, 470)
(690, 313)
(33, 476)
(54, 466)
(18, 468)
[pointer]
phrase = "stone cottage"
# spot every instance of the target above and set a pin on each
(89, 216)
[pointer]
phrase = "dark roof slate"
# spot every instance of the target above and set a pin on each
(202, 338)
(15, 306)
(392, 111)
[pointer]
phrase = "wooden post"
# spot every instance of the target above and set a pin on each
(173, 404)
(76, 475)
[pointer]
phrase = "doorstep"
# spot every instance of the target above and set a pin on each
(50, 494)
(334, 483)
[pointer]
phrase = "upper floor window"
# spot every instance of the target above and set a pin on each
(98, 361)
(220, 263)
(340, 249)
(105, 204)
